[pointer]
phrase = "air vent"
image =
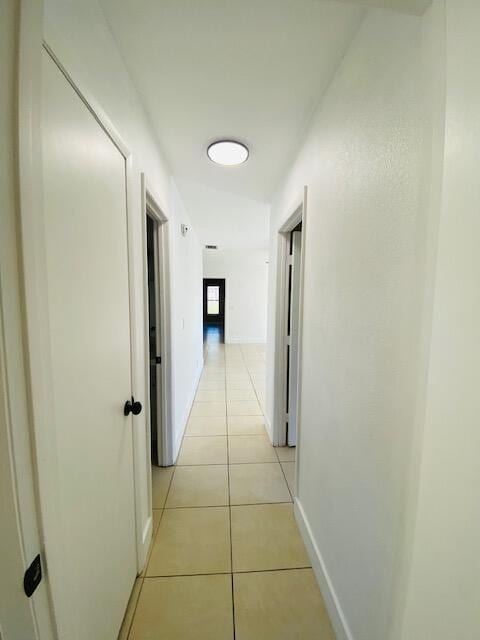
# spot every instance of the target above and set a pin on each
(211, 246)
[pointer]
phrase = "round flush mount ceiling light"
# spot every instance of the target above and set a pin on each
(228, 152)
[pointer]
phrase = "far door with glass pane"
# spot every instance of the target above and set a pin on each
(214, 301)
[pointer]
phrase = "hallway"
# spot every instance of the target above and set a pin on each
(227, 560)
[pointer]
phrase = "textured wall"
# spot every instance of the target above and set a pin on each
(364, 162)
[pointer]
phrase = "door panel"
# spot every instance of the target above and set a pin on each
(294, 308)
(88, 300)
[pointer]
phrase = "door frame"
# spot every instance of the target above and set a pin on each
(34, 36)
(16, 421)
(151, 204)
(222, 284)
(279, 430)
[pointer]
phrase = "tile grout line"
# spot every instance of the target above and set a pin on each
(274, 448)
(284, 475)
(221, 506)
(230, 513)
(251, 381)
(225, 573)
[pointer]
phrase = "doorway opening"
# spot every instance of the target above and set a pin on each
(154, 334)
(158, 371)
(288, 333)
(292, 332)
(214, 310)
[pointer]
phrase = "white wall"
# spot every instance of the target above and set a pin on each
(367, 259)
(79, 36)
(444, 594)
(246, 291)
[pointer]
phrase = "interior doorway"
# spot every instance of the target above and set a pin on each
(288, 333)
(214, 309)
(292, 332)
(154, 338)
(157, 325)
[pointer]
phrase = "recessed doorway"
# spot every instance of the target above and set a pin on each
(154, 333)
(214, 309)
(157, 310)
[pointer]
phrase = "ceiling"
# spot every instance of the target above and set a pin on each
(253, 70)
(224, 218)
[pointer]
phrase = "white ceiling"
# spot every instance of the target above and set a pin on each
(224, 218)
(253, 70)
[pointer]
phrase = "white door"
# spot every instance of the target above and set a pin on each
(90, 523)
(294, 328)
(16, 614)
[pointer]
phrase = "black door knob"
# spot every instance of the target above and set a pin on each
(132, 406)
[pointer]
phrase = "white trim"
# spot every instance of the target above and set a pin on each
(152, 203)
(298, 452)
(268, 426)
(279, 432)
(59, 50)
(335, 611)
(147, 531)
(33, 315)
(186, 415)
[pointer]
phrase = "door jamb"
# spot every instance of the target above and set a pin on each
(151, 204)
(279, 431)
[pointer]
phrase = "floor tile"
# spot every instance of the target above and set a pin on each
(206, 426)
(184, 608)
(280, 605)
(156, 515)
(208, 409)
(132, 604)
(191, 541)
(266, 536)
(250, 449)
(234, 395)
(289, 471)
(240, 408)
(210, 395)
(257, 483)
(206, 385)
(242, 384)
(286, 454)
(161, 477)
(203, 486)
(246, 425)
(208, 450)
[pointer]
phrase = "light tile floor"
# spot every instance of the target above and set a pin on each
(227, 561)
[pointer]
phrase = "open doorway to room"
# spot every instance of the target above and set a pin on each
(292, 332)
(213, 310)
(154, 334)
(288, 335)
(157, 330)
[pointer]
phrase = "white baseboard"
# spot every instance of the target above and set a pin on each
(337, 616)
(268, 427)
(186, 415)
(146, 539)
